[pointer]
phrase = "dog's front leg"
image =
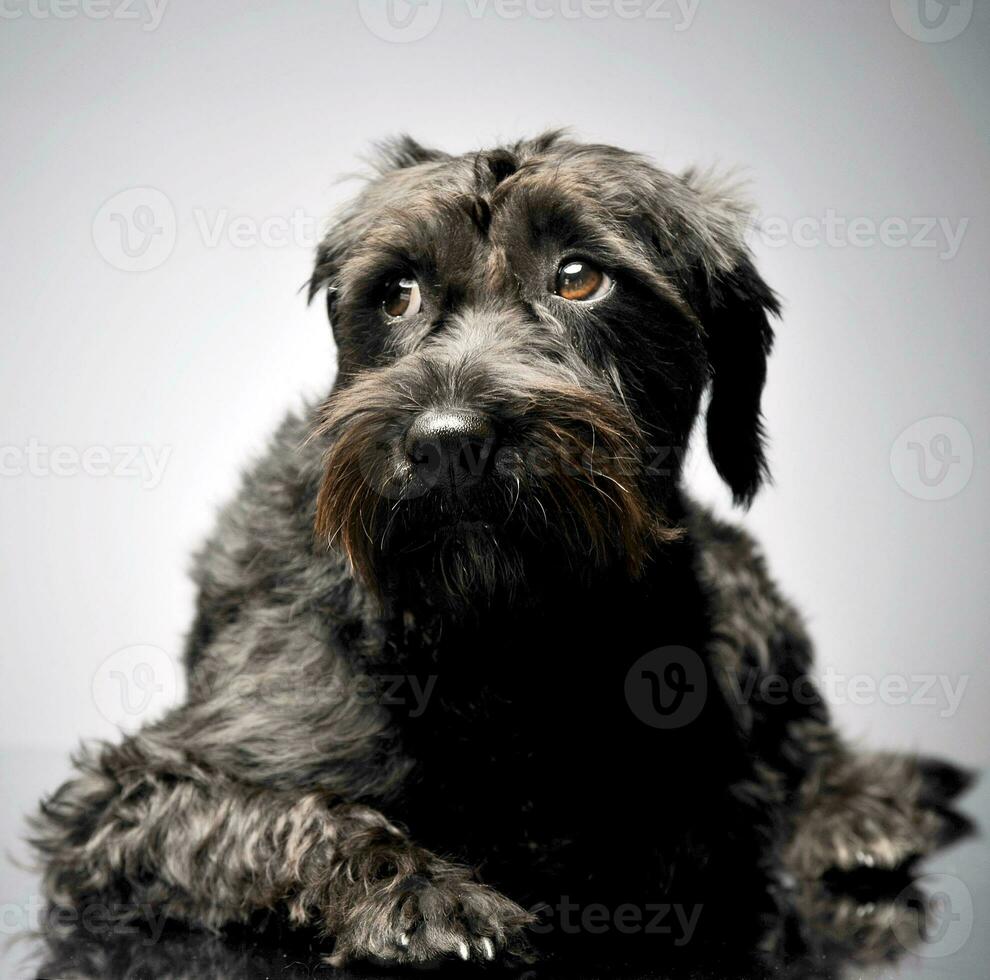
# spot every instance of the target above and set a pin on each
(144, 833)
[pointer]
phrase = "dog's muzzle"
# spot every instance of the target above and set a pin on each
(468, 472)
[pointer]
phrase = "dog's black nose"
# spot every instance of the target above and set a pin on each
(451, 447)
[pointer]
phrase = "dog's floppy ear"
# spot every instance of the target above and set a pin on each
(734, 306)
(738, 338)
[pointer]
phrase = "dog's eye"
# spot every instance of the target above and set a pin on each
(402, 298)
(582, 282)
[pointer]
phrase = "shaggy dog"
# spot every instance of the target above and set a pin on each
(470, 674)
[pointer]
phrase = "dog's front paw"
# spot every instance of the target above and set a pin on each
(423, 919)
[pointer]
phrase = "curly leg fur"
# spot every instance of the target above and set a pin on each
(876, 810)
(144, 828)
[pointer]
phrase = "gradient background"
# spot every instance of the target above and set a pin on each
(252, 110)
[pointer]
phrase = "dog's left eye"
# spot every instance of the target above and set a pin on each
(582, 282)
(402, 298)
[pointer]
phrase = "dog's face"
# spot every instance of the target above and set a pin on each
(524, 336)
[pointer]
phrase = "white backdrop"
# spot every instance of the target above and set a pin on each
(151, 343)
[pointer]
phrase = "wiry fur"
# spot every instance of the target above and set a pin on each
(283, 787)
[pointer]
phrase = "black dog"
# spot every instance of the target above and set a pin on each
(513, 651)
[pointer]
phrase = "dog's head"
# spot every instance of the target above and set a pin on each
(524, 336)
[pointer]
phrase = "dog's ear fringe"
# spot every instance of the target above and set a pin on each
(322, 277)
(722, 216)
(547, 140)
(402, 151)
(729, 186)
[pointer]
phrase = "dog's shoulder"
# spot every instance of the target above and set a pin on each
(753, 623)
(268, 521)
(728, 557)
(263, 554)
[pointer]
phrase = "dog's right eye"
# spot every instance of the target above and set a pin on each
(581, 282)
(402, 298)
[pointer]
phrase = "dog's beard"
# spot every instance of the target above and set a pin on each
(564, 496)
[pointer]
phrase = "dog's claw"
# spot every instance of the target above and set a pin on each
(447, 919)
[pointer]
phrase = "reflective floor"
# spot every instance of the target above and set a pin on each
(933, 925)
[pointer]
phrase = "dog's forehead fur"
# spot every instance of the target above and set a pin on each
(465, 216)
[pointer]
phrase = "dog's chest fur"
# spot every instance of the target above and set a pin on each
(529, 754)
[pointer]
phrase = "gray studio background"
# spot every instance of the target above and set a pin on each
(165, 350)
